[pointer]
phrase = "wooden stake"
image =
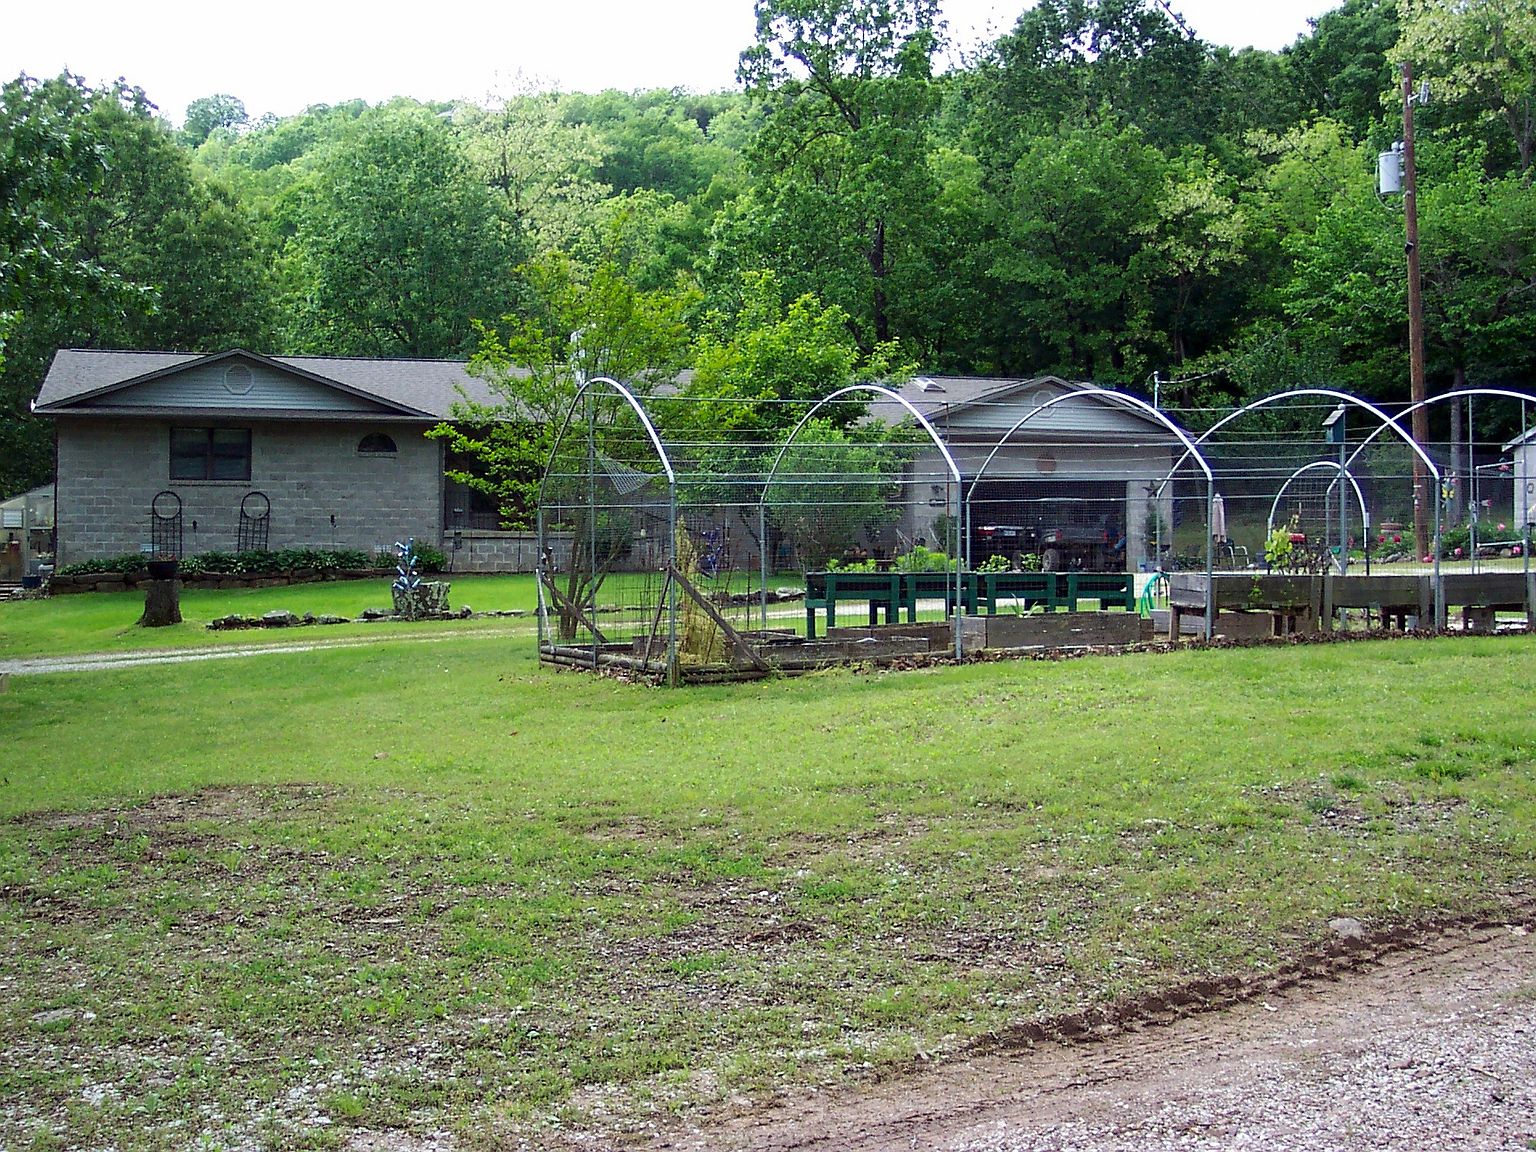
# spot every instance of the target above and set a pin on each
(743, 649)
(564, 602)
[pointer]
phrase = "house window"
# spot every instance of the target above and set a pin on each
(210, 453)
(376, 444)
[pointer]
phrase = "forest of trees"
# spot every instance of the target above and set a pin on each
(1098, 195)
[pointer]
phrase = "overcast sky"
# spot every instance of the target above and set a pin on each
(283, 55)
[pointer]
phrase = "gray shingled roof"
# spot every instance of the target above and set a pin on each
(429, 386)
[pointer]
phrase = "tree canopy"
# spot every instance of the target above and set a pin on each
(1096, 194)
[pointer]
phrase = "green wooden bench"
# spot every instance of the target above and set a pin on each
(1030, 587)
(877, 589)
(917, 586)
(1110, 589)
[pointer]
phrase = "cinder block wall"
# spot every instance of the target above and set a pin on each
(110, 471)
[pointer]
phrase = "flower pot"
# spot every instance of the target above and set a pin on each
(163, 569)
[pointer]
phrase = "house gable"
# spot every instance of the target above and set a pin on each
(983, 410)
(233, 382)
(242, 387)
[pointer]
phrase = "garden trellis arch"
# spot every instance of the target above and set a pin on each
(1136, 404)
(1343, 473)
(1343, 398)
(934, 438)
(1462, 394)
(624, 477)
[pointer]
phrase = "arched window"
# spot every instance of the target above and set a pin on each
(376, 444)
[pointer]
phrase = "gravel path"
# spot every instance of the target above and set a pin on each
(1435, 1048)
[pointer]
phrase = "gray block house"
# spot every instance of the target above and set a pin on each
(336, 448)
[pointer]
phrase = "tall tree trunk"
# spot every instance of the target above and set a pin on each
(878, 267)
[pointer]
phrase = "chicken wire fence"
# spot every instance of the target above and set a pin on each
(678, 534)
(692, 549)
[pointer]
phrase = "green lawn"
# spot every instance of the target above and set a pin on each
(107, 621)
(272, 900)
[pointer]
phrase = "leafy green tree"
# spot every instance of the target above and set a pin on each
(1482, 52)
(1478, 254)
(399, 245)
(759, 370)
(1193, 241)
(542, 167)
(843, 184)
(1078, 208)
(120, 244)
(1067, 61)
(1342, 68)
(831, 486)
(47, 158)
(211, 113)
(575, 324)
(656, 141)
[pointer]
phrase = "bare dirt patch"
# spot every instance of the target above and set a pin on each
(1429, 1047)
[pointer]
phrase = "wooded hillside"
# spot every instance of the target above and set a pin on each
(1100, 195)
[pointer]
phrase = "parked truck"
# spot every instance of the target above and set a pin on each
(1062, 548)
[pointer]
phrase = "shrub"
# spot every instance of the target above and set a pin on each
(429, 559)
(922, 559)
(115, 565)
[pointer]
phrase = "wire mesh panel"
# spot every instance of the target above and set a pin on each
(687, 536)
(680, 534)
(1085, 480)
(605, 517)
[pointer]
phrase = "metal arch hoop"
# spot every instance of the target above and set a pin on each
(1327, 393)
(1343, 471)
(639, 409)
(933, 436)
(1190, 449)
(1343, 398)
(1460, 393)
(938, 442)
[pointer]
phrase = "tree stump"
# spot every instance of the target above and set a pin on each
(162, 603)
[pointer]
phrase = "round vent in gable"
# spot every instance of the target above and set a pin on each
(238, 379)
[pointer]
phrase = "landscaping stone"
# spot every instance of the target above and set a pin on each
(1347, 928)
(233, 621)
(328, 619)
(279, 619)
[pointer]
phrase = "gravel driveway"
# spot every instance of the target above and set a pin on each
(1433, 1048)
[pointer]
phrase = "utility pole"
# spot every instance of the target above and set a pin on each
(1421, 496)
